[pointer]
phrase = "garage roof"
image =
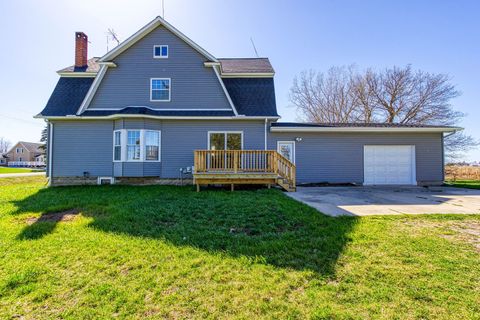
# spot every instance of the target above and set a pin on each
(358, 127)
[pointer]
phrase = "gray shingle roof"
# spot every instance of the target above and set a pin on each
(32, 146)
(355, 125)
(228, 65)
(245, 65)
(148, 111)
(67, 96)
(92, 66)
(251, 97)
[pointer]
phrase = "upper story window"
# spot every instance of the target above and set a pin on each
(160, 89)
(19, 150)
(160, 51)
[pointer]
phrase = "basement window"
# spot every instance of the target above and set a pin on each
(160, 51)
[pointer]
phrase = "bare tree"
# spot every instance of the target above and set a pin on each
(325, 97)
(404, 96)
(456, 145)
(4, 145)
(394, 95)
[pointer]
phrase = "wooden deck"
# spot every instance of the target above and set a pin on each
(233, 167)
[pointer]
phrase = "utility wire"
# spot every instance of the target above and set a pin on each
(23, 120)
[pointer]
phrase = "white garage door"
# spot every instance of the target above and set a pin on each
(389, 165)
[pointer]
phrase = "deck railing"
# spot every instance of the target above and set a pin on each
(244, 161)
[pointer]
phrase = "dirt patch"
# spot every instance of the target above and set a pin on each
(63, 216)
(467, 231)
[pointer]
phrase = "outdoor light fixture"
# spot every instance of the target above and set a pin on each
(298, 139)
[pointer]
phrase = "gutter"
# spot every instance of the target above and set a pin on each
(365, 129)
(50, 153)
(120, 116)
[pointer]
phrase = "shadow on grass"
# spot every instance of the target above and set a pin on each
(261, 224)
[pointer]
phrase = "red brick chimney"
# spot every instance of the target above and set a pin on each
(81, 50)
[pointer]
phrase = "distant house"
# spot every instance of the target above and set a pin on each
(25, 154)
(41, 158)
(3, 159)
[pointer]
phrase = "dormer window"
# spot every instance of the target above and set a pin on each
(160, 51)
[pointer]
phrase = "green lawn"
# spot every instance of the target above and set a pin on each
(471, 184)
(169, 252)
(4, 170)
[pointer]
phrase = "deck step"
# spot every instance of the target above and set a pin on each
(285, 185)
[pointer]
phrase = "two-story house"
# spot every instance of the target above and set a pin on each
(23, 153)
(159, 102)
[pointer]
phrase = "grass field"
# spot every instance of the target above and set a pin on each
(4, 170)
(169, 252)
(458, 172)
(471, 184)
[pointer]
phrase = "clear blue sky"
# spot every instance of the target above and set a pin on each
(436, 36)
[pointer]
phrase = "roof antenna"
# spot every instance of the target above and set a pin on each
(254, 48)
(113, 35)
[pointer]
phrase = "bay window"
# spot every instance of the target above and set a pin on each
(133, 145)
(117, 145)
(152, 145)
(136, 145)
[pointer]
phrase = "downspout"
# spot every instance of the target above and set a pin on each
(50, 152)
(266, 121)
(443, 158)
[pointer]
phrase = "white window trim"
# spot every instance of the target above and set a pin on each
(124, 141)
(111, 179)
(160, 56)
(144, 143)
(126, 146)
(169, 91)
(225, 132)
(122, 134)
(294, 148)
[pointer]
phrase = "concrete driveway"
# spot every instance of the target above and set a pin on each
(364, 201)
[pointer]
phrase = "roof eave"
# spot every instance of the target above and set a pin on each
(120, 116)
(248, 75)
(77, 74)
(364, 129)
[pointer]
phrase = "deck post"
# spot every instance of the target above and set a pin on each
(232, 188)
(198, 187)
(235, 161)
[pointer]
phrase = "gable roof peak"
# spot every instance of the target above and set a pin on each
(152, 25)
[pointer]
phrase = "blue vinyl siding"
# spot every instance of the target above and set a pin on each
(88, 145)
(193, 86)
(82, 146)
(338, 157)
(320, 157)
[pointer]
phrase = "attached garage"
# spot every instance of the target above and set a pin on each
(364, 154)
(389, 165)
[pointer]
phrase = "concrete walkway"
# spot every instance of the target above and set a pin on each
(363, 201)
(26, 174)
